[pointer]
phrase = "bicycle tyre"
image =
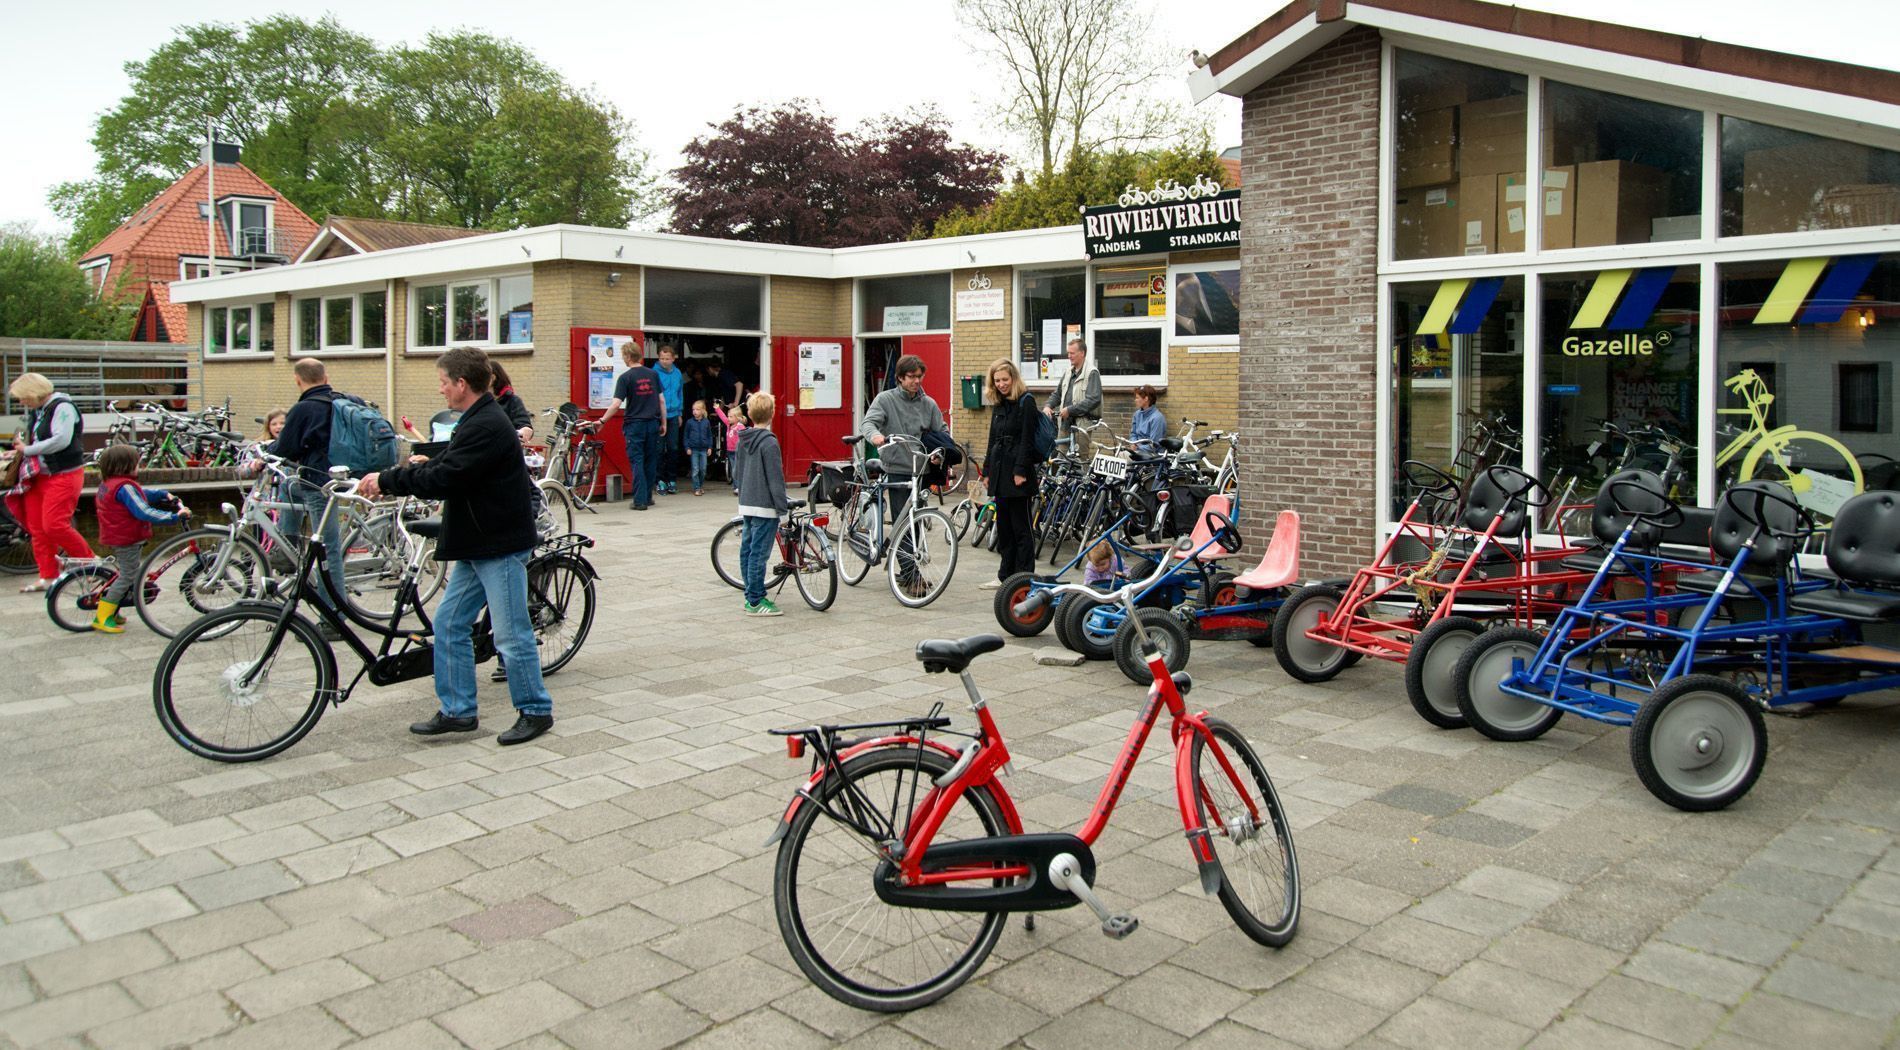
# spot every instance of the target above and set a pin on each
(229, 626)
(932, 540)
(375, 559)
(961, 518)
(560, 629)
(833, 976)
(854, 540)
(1271, 879)
(168, 603)
(16, 546)
(814, 570)
(556, 517)
(725, 553)
(586, 470)
(73, 599)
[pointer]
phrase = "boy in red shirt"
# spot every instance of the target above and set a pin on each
(126, 516)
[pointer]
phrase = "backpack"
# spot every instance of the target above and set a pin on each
(360, 438)
(1045, 436)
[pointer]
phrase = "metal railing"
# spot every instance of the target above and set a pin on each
(268, 242)
(94, 373)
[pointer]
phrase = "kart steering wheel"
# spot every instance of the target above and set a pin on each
(1666, 516)
(1225, 532)
(1130, 503)
(1429, 480)
(1526, 483)
(1759, 498)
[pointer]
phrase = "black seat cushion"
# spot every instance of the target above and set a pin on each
(1859, 606)
(1629, 486)
(1707, 582)
(1485, 502)
(429, 528)
(1863, 546)
(947, 654)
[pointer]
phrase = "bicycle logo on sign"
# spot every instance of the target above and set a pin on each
(1169, 190)
(979, 282)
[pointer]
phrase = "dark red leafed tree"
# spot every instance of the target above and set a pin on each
(787, 176)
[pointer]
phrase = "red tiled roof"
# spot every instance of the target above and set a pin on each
(170, 225)
(171, 316)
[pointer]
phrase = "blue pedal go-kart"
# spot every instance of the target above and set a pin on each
(1016, 589)
(1691, 672)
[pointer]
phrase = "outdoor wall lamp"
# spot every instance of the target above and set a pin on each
(613, 278)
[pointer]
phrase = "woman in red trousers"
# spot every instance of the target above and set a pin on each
(49, 437)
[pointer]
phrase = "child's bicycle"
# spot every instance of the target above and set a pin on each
(73, 600)
(801, 551)
(948, 858)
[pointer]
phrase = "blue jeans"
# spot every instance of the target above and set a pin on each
(295, 519)
(699, 468)
(643, 455)
(755, 547)
(500, 585)
(671, 443)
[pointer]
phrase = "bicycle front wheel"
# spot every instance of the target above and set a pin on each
(854, 947)
(555, 515)
(193, 574)
(224, 692)
(1251, 841)
(73, 599)
(725, 552)
(561, 606)
(923, 558)
(962, 516)
(815, 572)
(854, 540)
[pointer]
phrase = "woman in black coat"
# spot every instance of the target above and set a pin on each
(503, 389)
(1009, 467)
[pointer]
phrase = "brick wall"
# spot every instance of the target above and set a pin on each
(974, 346)
(810, 306)
(1308, 246)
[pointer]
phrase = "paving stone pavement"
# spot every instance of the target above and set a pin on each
(606, 886)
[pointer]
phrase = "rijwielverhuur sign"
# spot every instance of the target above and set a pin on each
(1169, 217)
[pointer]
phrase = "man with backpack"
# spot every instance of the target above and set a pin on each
(324, 427)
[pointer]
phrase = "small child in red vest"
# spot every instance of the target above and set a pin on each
(126, 513)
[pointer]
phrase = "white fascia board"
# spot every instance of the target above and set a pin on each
(494, 251)
(325, 236)
(1270, 59)
(1043, 247)
(672, 251)
(1627, 74)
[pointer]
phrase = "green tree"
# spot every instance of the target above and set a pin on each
(1085, 179)
(44, 296)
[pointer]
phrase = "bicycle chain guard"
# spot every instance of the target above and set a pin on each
(1033, 892)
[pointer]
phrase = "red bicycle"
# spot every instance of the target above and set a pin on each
(901, 857)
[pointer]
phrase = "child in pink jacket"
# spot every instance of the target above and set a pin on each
(735, 425)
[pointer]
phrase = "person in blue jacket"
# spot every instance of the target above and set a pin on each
(672, 397)
(699, 443)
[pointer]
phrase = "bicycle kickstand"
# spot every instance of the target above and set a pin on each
(1066, 873)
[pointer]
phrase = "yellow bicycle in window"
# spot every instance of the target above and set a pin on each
(1795, 457)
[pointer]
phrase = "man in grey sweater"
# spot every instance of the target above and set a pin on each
(903, 409)
(1078, 396)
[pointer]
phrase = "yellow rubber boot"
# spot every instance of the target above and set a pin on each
(105, 619)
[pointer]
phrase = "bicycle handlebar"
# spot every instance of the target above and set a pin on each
(1037, 599)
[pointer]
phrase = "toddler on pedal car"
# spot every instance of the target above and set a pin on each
(1102, 565)
(127, 512)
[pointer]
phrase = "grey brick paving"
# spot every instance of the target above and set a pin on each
(605, 886)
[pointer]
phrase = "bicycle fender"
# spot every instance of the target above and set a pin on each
(1197, 834)
(1008, 805)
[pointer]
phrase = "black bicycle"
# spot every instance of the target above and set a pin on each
(247, 681)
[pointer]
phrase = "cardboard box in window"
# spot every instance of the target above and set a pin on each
(1782, 188)
(1478, 214)
(1432, 91)
(1491, 137)
(1557, 199)
(1675, 228)
(1616, 201)
(1425, 223)
(1425, 151)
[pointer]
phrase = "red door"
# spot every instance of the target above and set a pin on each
(814, 380)
(592, 389)
(939, 380)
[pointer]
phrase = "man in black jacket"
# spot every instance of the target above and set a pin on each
(305, 441)
(488, 532)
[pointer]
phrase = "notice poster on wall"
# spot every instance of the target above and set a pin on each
(821, 375)
(604, 365)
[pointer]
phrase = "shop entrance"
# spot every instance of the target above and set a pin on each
(815, 395)
(880, 357)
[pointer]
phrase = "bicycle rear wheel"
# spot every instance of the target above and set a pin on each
(923, 558)
(583, 468)
(725, 552)
(961, 516)
(16, 547)
(854, 539)
(1249, 837)
(853, 946)
(561, 607)
(816, 573)
(215, 701)
(73, 599)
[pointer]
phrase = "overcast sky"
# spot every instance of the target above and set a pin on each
(676, 67)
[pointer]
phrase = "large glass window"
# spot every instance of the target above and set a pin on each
(219, 339)
(1124, 292)
(339, 323)
(717, 301)
(241, 329)
(1805, 355)
(1619, 368)
(375, 332)
(1627, 171)
(901, 301)
(1457, 129)
(309, 324)
(266, 328)
(1457, 376)
(1778, 181)
(468, 312)
(432, 315)
(1128, 351)
(514, 300)
(1050, 297)
(1206, 303)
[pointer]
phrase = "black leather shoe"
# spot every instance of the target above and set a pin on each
(499, 674)
(441, 723)
(526, 728)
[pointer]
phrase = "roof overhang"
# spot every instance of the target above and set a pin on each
(322, 240)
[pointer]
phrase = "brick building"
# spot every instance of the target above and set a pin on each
(174, 238)
(1708, 220)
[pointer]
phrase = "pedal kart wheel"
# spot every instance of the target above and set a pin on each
(1305, 658)
(1430, 681)
(1169, 635)
(1094, 640)
(1479, 678)
(1011, 594)
(1698, 743)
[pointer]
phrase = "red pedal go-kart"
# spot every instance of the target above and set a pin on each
(1481, 568)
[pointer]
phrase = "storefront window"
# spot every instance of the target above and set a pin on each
(1206, 303)
(917, 303)
(1126, 292)
(692, 299)
(266, 328)
(1618, 170)
(375, 321)
(1050, 297)
(1618, 348)
(339, 323)
(1458, 128)
(515, 309)
(432, 315)
(1457, 377)
(215, 331)
(309, 324)
(1128, 351)
(1779, 181)
(468, 317)
(1806, 356)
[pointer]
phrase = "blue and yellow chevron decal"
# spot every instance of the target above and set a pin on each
(1833, 282)
(1638, 291)
(1460, 306)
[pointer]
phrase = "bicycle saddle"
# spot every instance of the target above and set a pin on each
(794, 503)
(428, 528)
(948, 654)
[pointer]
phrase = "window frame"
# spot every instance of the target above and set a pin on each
(491, 284)
(1163, 325)
(646, 319)
(230, 310)
(324, 299)
(1205, 343)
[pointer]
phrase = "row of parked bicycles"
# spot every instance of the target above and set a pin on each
(170, 439)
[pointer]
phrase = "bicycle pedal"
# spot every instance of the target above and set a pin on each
(1120, 925)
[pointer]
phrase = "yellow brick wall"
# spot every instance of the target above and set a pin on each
(810, 306)
(974, 346)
